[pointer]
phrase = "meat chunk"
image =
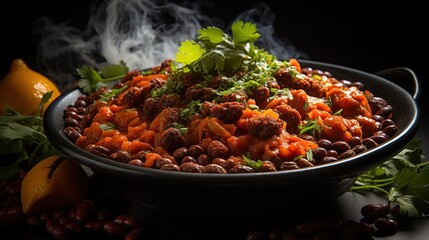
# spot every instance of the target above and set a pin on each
(291, 116)
(311, 86)
(228, 112)
(171, 139)
(264, 127)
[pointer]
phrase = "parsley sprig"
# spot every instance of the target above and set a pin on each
(91, 79)
(22, 140)
(403, 180)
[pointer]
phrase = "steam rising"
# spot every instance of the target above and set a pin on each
(142, 33)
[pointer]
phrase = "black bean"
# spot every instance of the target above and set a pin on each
(69, 121)
(346, 154)
(82, 110)
(369, 143)
(390, 130)
(387, 122)
(328, 159)
(319, 153)
(385, 111)
(379, 139)
(354, 141)
(377, 118)
(359, 148)
(135, 234)
(71, 133)
(80, 103)
(332, 153)
(324, 143)
(340, 146)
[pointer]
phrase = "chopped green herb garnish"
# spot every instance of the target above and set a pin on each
(113, 93)
(252, 163)
(310, 127)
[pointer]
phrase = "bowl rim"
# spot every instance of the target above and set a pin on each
(54, 131)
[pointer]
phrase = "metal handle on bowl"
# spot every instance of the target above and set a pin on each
(405, 72)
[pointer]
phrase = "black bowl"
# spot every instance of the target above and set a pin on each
(247, 194)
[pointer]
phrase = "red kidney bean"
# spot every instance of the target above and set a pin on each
(34, 221)
(57, 214)
(385, 227)
(70, 224)
(325, 235)
(375, 210)
(71, 133)
(362, 229)
(56, 230)
(84, 210)
(379, 139)
(377, 118)
(126, 220)
(115, 229)
(94, 226)
(309, 227)
(135, 234)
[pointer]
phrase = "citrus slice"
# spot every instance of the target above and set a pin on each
(54, 183)
(23, 88)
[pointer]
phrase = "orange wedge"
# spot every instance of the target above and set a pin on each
(54, 183)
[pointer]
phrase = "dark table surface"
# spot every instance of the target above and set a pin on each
(354, 36)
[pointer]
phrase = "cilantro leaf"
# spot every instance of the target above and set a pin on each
(188, 52)
(243, 32)
(212, 34)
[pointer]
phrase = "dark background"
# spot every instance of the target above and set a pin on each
(362, 36)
